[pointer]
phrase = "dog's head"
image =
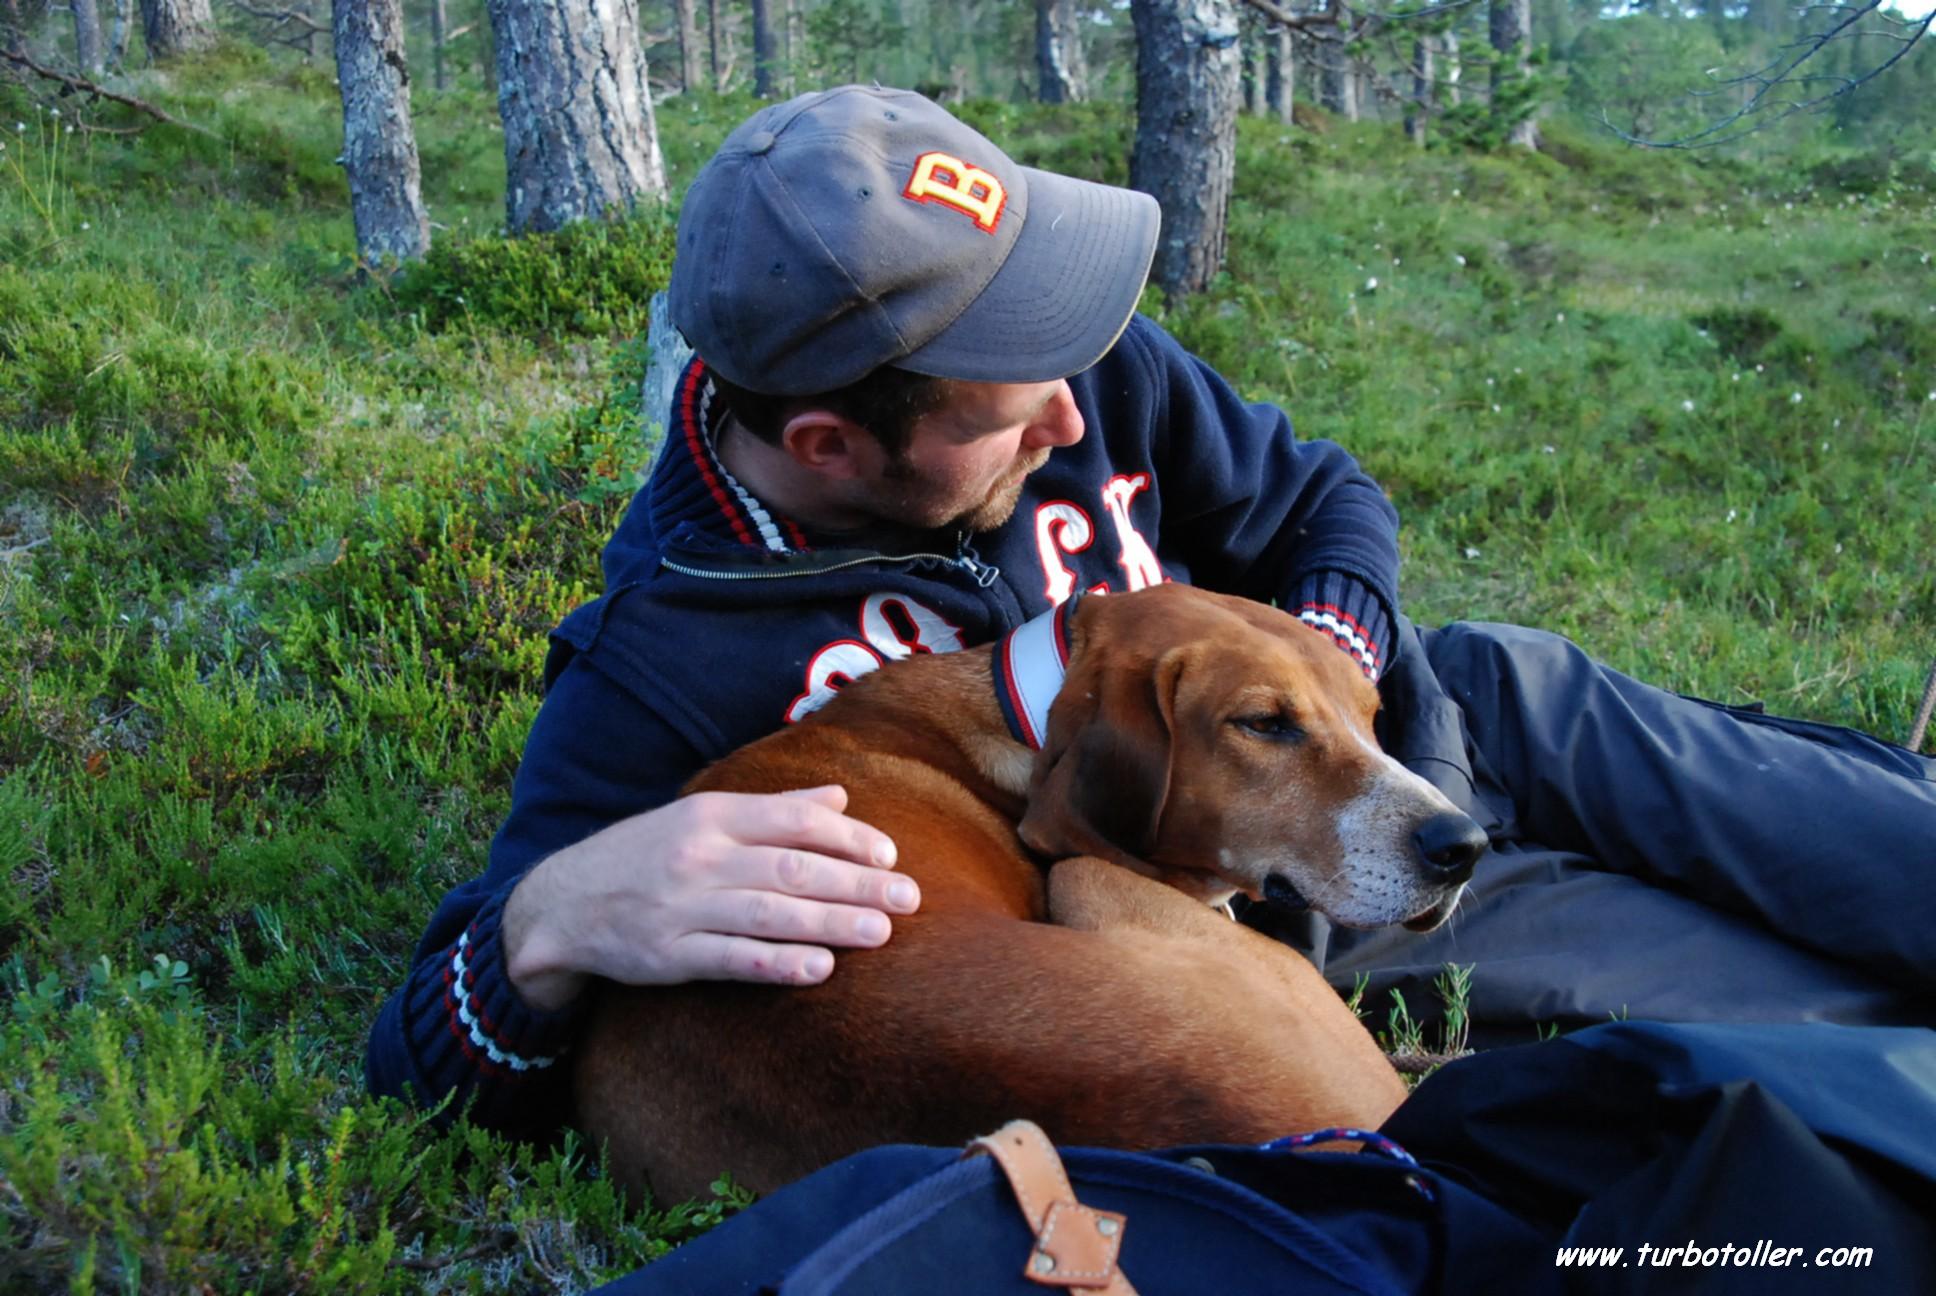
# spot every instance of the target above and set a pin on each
(1221, 745)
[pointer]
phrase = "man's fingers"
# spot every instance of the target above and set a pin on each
(771, 916)
(708, 956)
(812, 819)
(812, 876)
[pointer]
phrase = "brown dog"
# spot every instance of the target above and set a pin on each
(1203, 741)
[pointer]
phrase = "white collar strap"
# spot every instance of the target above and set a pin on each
(1030, 662)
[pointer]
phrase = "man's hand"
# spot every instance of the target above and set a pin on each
(715, 886)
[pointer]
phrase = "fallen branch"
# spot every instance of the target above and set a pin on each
(100, 91)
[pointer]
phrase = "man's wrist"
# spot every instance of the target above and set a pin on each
(1350, 613)
(537, 966)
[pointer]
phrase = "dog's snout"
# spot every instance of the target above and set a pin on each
(1450, 844)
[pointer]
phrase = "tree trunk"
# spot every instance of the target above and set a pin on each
(439, 24)
(176, 26)
(1418, 113)
(712, 44)
(1449, 46)
(87, 37)
(379, 147)
(686, 14)
(1255, 72)
(763, 49)
(118, 34)
(1338, 84)
(13, 25)
(1512, 32)
(1064, 73)
(579, 139)
(1283, 74)
(1188, 60)
(795, 44)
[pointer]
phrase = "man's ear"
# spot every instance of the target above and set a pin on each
(1100, 785)
(824, 442)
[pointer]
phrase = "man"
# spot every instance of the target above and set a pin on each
(922, 413)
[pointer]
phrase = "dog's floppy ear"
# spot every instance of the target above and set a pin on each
(1100, 784)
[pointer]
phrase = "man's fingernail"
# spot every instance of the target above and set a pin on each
(872, 928)
(884, 854)
(818, 966)
(902, 895)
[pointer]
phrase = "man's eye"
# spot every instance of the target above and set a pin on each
(1269, 726)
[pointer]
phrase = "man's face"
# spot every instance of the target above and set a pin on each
(964, 463)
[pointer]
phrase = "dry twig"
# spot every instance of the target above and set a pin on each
(100, 91)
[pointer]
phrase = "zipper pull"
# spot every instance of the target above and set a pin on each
(965, 554)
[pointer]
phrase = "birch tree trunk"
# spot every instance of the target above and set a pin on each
(1338, 83)
(176, 26)
(1449, 46)
(686, 14)
(1418, 112)
(1064, 74)
(795, 45)
(1512, 32)
(1283, 75)
(712, 44)
(1188, 61)
(439, 24)
(118, 34)
(379, 147)
(87, 37)
(763, 49)
(579, 138)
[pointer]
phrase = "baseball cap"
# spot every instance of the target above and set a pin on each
(858, 227)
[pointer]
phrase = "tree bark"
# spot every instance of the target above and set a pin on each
(1418, 112)
(1338, 83)
(439, 24)
(87, 37)
(763, 49)
(795, 44)
(379, 146)
(176, 26)
(1283, 75)
(1512, 32)
(118, 34)
(579, 138)
(1188, 61)
(686, 14)
(1064, 73)
(712, 44)
(1449, 46)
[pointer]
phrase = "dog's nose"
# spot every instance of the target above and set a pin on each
(1450, 844)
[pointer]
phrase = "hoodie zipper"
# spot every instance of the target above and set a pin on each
(965, 558)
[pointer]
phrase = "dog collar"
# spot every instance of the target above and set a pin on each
(1030, 661)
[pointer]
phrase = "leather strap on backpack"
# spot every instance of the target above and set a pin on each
(1075, 1246)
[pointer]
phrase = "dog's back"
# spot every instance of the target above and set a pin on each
(1138, 1018)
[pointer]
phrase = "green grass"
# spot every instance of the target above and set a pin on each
(279, 546)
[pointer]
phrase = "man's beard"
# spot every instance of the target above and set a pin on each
(991, 511)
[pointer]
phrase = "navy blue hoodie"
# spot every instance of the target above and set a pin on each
(723, 620)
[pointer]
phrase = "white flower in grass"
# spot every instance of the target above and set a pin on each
(1458, 258)
(1824, 447)
(1731, 515)
(1549, 449)
(85, 227)
(1495, 409)
(1562, 317)
(1470, 552)
(1794, 398)
(1687, 406)
(1371, 284)
(55, 114)
(1737, 378)
(20, 128)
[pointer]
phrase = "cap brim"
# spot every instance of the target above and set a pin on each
(1065, 294)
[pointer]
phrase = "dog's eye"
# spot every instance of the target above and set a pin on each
(1270, 725)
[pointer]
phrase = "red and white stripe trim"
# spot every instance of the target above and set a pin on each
(1030, 664)
(473, 1027)
(1348, 634)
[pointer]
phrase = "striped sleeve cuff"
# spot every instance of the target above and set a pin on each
(1347, 610)
(473, 1033)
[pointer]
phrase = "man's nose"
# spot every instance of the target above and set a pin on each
(1059, 423)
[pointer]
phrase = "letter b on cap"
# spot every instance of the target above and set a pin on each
(943, 178)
